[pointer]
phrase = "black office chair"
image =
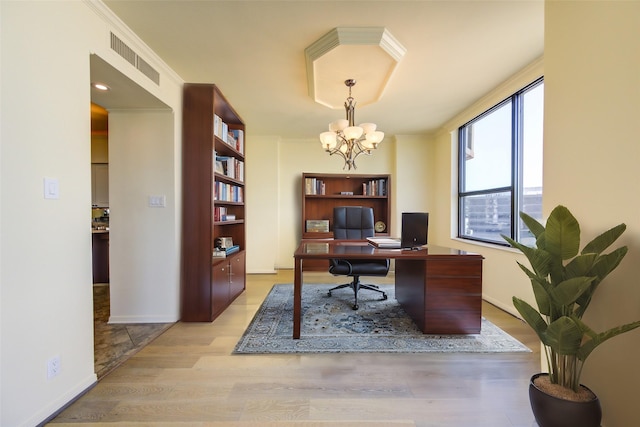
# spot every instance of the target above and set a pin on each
(356, 223)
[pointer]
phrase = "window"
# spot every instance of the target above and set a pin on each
(500, 168)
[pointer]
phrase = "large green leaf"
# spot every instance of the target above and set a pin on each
(532, 317)
(568, 291)
(564, 336)
(591, 344)
(562, 234)
(580, 265)
(604, 240)
(541, 291)
(539, 259)
(603, 265)
(532, 224)
(606, 263)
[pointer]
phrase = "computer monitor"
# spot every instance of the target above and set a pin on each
(415, 227)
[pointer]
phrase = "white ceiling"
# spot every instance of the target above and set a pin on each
(457, 51)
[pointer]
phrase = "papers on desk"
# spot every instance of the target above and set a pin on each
(384, 242)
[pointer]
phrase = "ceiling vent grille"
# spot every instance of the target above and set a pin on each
(134, 59)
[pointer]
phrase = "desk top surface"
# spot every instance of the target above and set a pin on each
(325, 249)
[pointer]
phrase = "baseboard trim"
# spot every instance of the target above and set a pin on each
(63, 402)
(508, 308)
(142, 319)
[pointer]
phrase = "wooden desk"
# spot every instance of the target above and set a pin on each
(439, 288)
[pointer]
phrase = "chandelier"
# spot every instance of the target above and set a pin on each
(348, 140)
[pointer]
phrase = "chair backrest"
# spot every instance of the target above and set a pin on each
(353, 222)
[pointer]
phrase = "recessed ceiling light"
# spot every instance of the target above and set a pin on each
(101, 86)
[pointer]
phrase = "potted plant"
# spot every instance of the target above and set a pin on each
(564, 280)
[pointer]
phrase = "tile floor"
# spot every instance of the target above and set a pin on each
(115, 343)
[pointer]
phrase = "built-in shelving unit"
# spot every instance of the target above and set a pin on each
(322, 192)
(213, 203)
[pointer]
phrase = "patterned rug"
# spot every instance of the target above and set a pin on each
(330, 325)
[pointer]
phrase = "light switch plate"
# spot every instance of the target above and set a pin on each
(51, 188)
(158, 201)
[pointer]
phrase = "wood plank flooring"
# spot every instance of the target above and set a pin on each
(188, 378)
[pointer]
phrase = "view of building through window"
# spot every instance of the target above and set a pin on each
(500, 168)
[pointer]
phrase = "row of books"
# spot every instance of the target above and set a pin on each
(220, 214)
(233, 137)
(314, 186)
(224, 252)
(230, 166)
(375, 187)
(228, 193)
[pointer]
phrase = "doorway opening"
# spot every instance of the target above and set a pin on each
(118, 283)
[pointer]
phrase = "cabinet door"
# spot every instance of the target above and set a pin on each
(236, 274)
(219, 287)
(100, 184)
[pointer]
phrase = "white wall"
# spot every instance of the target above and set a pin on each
(46, 306)
(144, 254)
(262, 201)
(591, 158)
(414, 178)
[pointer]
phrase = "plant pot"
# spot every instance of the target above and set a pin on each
(551, 411)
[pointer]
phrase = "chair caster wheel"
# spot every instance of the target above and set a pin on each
(355, 306)
(384, 296)
(329, 293)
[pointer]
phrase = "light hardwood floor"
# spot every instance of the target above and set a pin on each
(188, 377)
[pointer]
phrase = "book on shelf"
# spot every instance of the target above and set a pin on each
(220, 214)
(224, 192)
(375, 187)
(385, 242)
(314, 186)
(223, 253)
(231, 167)
(220, 128)
(238, 138)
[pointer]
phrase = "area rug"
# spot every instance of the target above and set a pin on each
(330, 325)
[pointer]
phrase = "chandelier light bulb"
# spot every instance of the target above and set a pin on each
(338, 125)
(353, 132)
(368, 127)
(375, 137)
(328, 140)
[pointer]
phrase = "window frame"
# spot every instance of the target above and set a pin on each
(516, 188)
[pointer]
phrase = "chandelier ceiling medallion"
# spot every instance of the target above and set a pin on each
(369, 55)
(348, 140)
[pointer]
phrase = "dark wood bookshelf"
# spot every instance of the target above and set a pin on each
(320, 206)
(209, 284)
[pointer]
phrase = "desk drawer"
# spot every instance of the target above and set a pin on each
(458, 268)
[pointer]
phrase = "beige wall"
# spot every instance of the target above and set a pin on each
(274, 192)
(46, 303)
(591, 157)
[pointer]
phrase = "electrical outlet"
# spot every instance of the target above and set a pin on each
(53, 367)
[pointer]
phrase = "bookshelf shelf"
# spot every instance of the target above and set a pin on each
(213, 187)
